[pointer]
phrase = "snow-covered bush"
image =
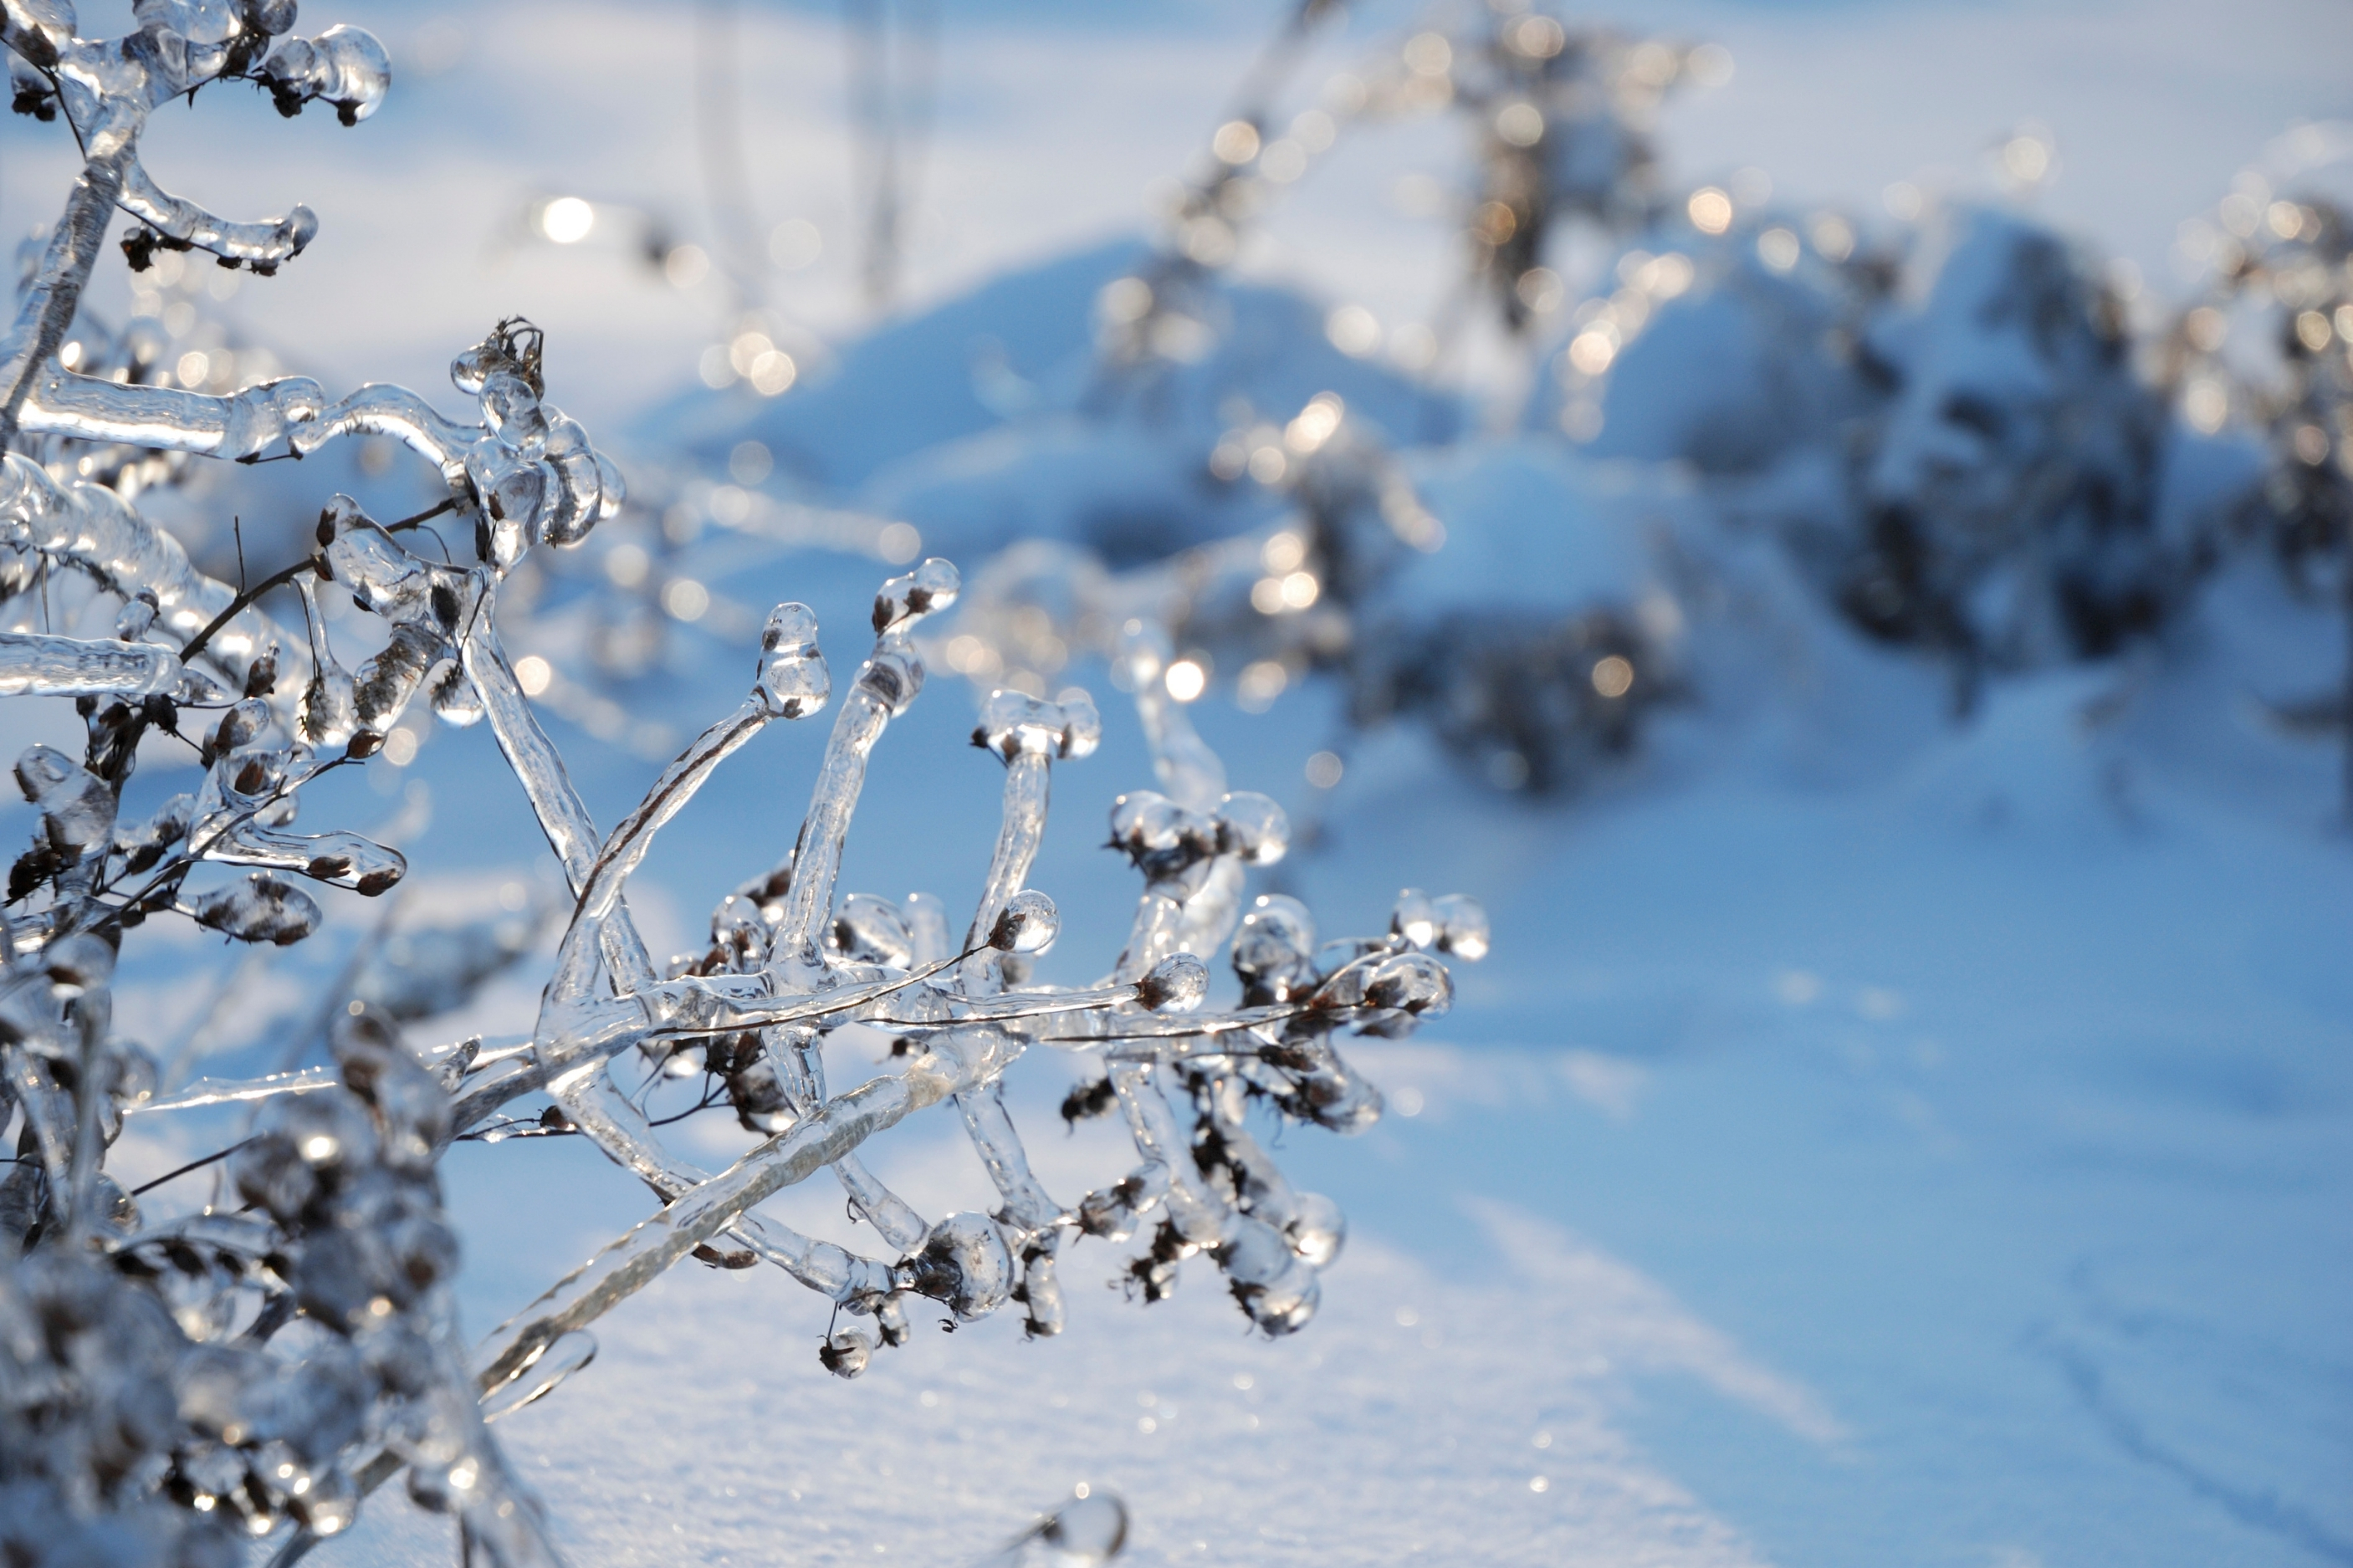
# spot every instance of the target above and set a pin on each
(2270, 350)
(175, 1385)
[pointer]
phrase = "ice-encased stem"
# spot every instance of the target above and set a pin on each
(588, 1095)
(1198, 1213)
(1029, 791)
(537, 764)
(998, 1144)
(32, 665)
(600, 890)
(620, 1128)
(213, 1091)
(269, 242)
(1189, 772)
(637, 1260)
(46, 307)
(865, 713)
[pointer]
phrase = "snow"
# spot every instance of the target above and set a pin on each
(1874, 1139)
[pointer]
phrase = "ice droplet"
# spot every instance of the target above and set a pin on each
(928, 589)
(1461, 926)
(846, 1354)
(1175, 985)
(964, 1265)
(793, 682)
(1028, 924)
(1012, 724)
(1253, 826)
(1274, 951)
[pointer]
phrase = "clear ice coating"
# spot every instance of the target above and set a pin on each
(261, 1365)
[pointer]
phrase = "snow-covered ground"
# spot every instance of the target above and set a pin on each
(1872, 1140)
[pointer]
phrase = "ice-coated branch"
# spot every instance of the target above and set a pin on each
(91, 530)
(637, 1260)
(303, 1319)
(107, 89)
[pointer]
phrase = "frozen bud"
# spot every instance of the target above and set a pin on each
(1041, 1293)
(1316, 1229)
(337, 518)
(389, 676)
(136, 616)
(793, 682)
(344, 66)
(928, 589)
(845, 1354)
(248, 779)
(868, 930)
(1461, 926)
(424, 1252)
(1252, 826)
(1012, 724)
(1273, 1285)
(1028, 923)
(1414, 921)
(48, 28)
(77, 807)
(331, 713)
(891, 1319)
(1277, 937)
(142, 845)
(737, 926)
(1175, 985)
(239, 726)
(964, 1265)
(259, 909)
(472, 368)
(1113, 1212)
(759, 1099)
(1162, 838)
(1411, 982)
(134, 1073)
(455, 701)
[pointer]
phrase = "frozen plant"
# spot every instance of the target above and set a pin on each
(1561, 118)
(1166, 310)
(173, 1386)
(2273, 344)
(2006, 490)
